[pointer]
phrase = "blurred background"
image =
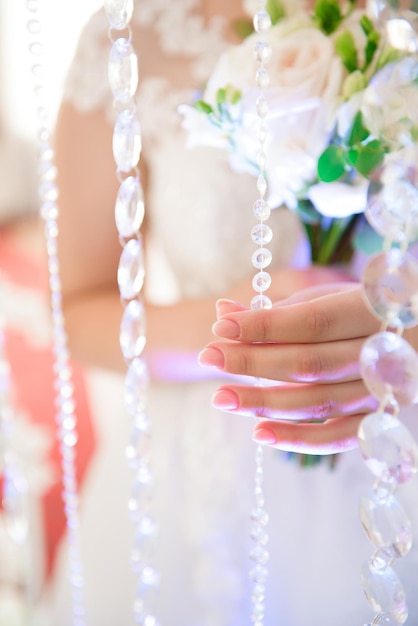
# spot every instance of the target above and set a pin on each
(62, 22)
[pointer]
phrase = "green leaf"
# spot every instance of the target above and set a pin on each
(331, 164)
(221, 96)
(203, 107)
(327, 14)
(365, 158)
(345, 47)
(373, 39)
(358, 132)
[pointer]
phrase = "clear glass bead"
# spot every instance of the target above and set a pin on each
(261, 302)
(389, 367)
(123, 70)
(259, 534)
(119, 12)
(136, 387)
(261, 281)
(133, 330)
(261, 258)
(259, 574)
(392, 199)
(262, 78)
(388, 447)
(386, 524)
(384, 592)
(391, 286)
(262, 52)
(127, 143)
(261, 234)
(131, 270)
(399, 21)
(261, 185)
(259, 554)
(261, 209)
(262, 107)
(129, 207)
(262, 22)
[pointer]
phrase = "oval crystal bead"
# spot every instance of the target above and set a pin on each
(127, 143)
(389, 367)
(387, 446)
(119, 12)
(391, 286)
(122, 70)
(384, 592)
(131, 270)
(129, 208)
(392, 199)
(386, 523)
(133, 330)
(136, 387)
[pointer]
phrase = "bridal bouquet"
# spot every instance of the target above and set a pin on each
(341, 98)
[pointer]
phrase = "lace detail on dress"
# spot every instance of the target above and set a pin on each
(182, 31)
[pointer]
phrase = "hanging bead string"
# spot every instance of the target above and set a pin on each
(129, 215)
(389, 366)
(15, 500)
(261, 235)
(66, 418)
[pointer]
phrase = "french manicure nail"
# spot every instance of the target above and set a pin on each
(227, 329)
(211, 357)
(225, 306)
(225, 399)
(264, 435)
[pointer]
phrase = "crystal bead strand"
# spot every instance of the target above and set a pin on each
(261, 235)
(66, 418)
(129, 215)
(389, 366)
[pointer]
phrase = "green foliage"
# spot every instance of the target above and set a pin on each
(327, 15)
(203, 107)
(276, 10)
(332, 164)
(345, 47)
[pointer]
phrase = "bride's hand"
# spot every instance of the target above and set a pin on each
(309, 345)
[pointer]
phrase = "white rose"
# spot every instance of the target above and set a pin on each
(339, 199)
(304, 93)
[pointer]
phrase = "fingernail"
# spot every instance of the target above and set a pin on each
(226, 329)
(225, 399)
(224, 306)
(264, 435)
(211, 357)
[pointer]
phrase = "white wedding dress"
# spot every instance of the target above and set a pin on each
(200, 219)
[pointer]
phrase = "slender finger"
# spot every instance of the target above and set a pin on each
(343, 315)
(307, 363)
(296, 402)
(338, 435)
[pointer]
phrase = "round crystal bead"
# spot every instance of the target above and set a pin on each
(261, 209)
(384, 592)
(261, 258)
(261, 302)
(131, 270)
(399, 21)
(129, 207)
(392, 199)
(261, 281)
(389, 367)
(387, 446)
(261, 234)
(391, 285)
(123, 70)
(386, 524)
